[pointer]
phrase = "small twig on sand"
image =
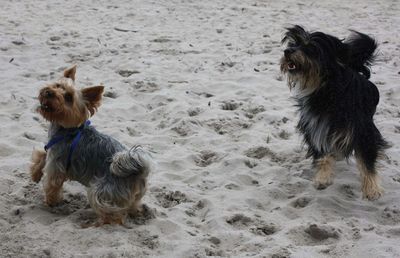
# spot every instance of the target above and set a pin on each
(124, 30)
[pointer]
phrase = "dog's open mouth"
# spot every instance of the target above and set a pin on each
(46, 107)
(291, 66)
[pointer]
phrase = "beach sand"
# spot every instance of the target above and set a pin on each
(198, 84)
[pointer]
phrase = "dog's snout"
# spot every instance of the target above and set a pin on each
(288, 51)
(48, 94)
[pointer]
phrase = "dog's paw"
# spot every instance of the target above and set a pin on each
(52, 201)
(37, 176)
(322, 182)
(370, 187)
(372, 193)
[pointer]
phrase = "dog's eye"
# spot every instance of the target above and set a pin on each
(60, 86)
(68, 97)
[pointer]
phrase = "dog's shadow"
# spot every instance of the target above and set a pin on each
(70, 204)
(76, 207)
(84, 215)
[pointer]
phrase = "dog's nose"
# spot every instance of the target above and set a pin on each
(288, 51)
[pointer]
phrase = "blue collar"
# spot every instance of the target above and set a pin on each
(77, 136)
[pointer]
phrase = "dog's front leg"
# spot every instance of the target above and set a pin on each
(324, 175)
(53, 185)
(38, 160)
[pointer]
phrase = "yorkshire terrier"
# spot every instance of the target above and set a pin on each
(336, 101)
(115, 176)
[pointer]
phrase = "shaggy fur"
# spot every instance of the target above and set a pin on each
(114, 175)
(336, 101)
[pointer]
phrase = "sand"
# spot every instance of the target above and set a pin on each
(198, 84)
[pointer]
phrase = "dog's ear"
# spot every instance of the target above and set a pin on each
(92, 97)
(70, 72)
(296, 34)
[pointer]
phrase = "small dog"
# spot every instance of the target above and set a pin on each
(115, 176)
(336, 101)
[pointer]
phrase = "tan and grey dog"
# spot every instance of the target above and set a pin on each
(115, 176)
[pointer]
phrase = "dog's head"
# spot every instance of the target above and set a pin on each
(309, 57)
(63, 104)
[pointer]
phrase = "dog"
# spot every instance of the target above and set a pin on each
(336, 101)
(115, 176)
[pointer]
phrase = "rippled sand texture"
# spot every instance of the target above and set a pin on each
(198, 83)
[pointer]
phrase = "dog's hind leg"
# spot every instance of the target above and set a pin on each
(109, 201)
(138, 191)
(323, 178)
(369, 179)
(368, 149)
(366, 159)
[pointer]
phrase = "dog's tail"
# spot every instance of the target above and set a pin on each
(135, 161)
(361, 52)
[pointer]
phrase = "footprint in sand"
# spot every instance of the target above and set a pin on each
(214, 253)
(239, 221)
(227, 64)
(232, 186)
(314, 234)
(245, 179)
(201, 207)
(144, 215)
(168, 199)
(257, 152)
(301, 202)
(250, 163)
(261, 152)
(230, 105)
(54, 38)
(194, 111)
(390, 215)
(347, 190)
(185, 127)
(227, 125)
(215, 240)
(265, 230)
(252, 111)
(111, 93)
(18, 42)
(283, 134)
(206, 158)
(256, 226)
(282, 253)
(133, 132)
(70, 204)
(142, 86)
(32, 193)
(149, 240)
(320, 233)
(203, 94)
(127, 73)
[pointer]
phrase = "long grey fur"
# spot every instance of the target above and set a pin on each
(109, 170)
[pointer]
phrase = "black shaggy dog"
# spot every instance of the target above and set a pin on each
(336, 101)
